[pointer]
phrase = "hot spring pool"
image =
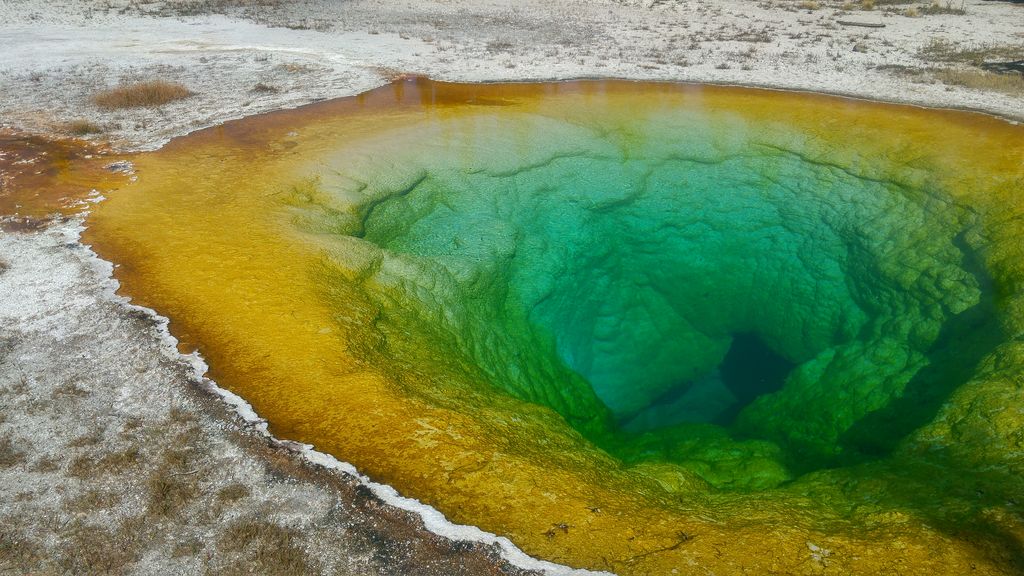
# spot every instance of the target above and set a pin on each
(633, 327)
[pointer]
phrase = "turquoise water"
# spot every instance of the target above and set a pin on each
(611, 283)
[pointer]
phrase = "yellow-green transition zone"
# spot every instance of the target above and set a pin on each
(634, 327)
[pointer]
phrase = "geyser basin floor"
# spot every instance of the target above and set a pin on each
(633, 327)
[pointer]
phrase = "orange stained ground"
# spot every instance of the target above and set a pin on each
(41, 177)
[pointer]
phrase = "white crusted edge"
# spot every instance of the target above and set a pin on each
(433, 520)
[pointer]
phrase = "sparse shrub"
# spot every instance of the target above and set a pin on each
(809, 5)
(867, 4)
(141, 94)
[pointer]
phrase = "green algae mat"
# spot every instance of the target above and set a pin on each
(643, 328)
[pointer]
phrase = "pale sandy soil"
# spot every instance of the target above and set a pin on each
(112, 457)
(57, 54)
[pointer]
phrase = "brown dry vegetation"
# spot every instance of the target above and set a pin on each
(271, 548)
(170, 491)
(17, 552)
(113, 463)
(69, 388)
(141, 94)
(264, 88)
(971, 60)
(938, 50)
(98, 550)
(92, 500)
(9, 455)
(233, 492)
(82, 128)
(947, 8)
(1010, 83)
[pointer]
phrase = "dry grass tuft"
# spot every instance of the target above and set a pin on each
(938, 50)
(948, 8)
(187, 548)
(112, 463)
(92, 501)
(272, 549)
(69, 388)
(142, 94)
(263, 88)
(233, 492)
(168, 492)
(88, 439)
(45, 465)
(179, 415)
(9, 455)
(17, 554)
(82, 128)
(295, 68)
(1012, 84)
(96, 550)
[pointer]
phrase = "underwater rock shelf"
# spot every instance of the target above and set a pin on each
(634, 327)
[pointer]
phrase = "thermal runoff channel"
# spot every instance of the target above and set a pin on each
(624, 324)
